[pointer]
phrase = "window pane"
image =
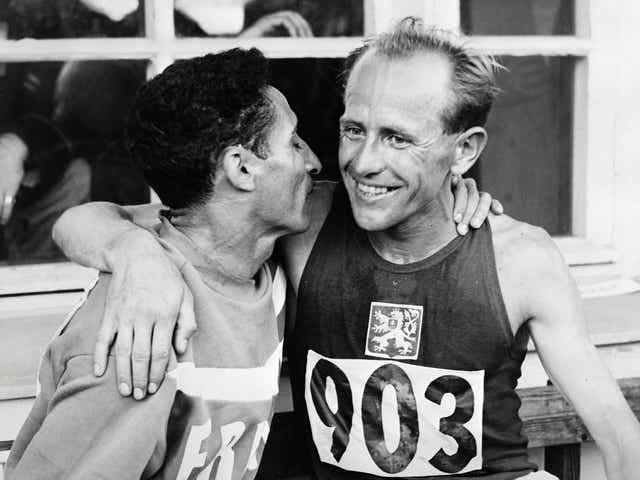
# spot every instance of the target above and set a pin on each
(70, 19)
(517, 17)
(71, 117)
(527, 162)
(270, 18)
(313, 87)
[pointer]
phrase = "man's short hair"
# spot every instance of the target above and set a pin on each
(473, 80)
(183, 118)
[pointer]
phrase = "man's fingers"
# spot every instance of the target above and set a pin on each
(473, 198)
(160, 348)
(460, 200)
(294, 23)
(482, 212)
(104, 340)
(123, 359)
(186, 322)
(7, 201)
(496, 207)
(140, 361)
(302, 27)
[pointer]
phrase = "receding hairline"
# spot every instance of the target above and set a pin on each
(422, 56)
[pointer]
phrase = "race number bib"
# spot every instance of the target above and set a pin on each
(392, 419)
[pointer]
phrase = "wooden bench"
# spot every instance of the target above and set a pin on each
(550, 422)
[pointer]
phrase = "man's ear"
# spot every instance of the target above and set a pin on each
(469, 146)
(239, 167)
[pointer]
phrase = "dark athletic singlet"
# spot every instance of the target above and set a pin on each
(406, 370)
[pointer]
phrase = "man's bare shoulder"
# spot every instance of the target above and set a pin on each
(531, 270)
(528, 246)
(528, 261)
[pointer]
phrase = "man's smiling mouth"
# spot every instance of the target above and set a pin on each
(371, 192)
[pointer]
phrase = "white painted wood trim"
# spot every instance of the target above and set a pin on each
(380, 15)
(555, 45)
(598, 123)
(626, 202)
(443, 14)
(159, 26)
(581, 251)
(44, 277)
(166, 49)
(331, 47)
(30, 50)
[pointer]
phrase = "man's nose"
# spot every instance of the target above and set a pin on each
(367, 159)
(312, 163)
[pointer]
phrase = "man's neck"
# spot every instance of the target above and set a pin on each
(419, 236)
(228, 252)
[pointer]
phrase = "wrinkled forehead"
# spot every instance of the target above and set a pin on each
(284, 122)
(419, 84)
(280, 104)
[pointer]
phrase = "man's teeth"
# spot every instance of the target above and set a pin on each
(370, 190)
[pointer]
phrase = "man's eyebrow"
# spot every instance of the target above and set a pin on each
(396, 129)
(345, 119)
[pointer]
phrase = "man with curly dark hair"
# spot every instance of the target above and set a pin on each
(219, 146)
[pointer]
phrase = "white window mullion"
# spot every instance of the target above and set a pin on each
(380, 15)
(595, 129)
(626, 98)
(160, 29)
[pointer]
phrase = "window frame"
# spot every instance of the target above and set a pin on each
(594, 47)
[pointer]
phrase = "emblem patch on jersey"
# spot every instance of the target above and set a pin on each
(394, 331)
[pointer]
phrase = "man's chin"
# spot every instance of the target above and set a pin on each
(370, 223)
(301, 226)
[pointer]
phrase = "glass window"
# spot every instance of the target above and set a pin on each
(270, 18)
(71, 18)
(517, 17)
(527, 162)
(313, 87)
(70, 119)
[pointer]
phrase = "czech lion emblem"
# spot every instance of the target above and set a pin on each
(394, 330)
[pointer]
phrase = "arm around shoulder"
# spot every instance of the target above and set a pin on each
(91, 234)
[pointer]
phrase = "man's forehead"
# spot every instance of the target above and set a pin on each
(412, 83)
(283, 110)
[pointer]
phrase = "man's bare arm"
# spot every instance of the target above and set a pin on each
(552, 304)
(91, 234)
(147, 293)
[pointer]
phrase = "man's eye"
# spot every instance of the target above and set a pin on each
(296, 142)
(352, 132)
(396, 141)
